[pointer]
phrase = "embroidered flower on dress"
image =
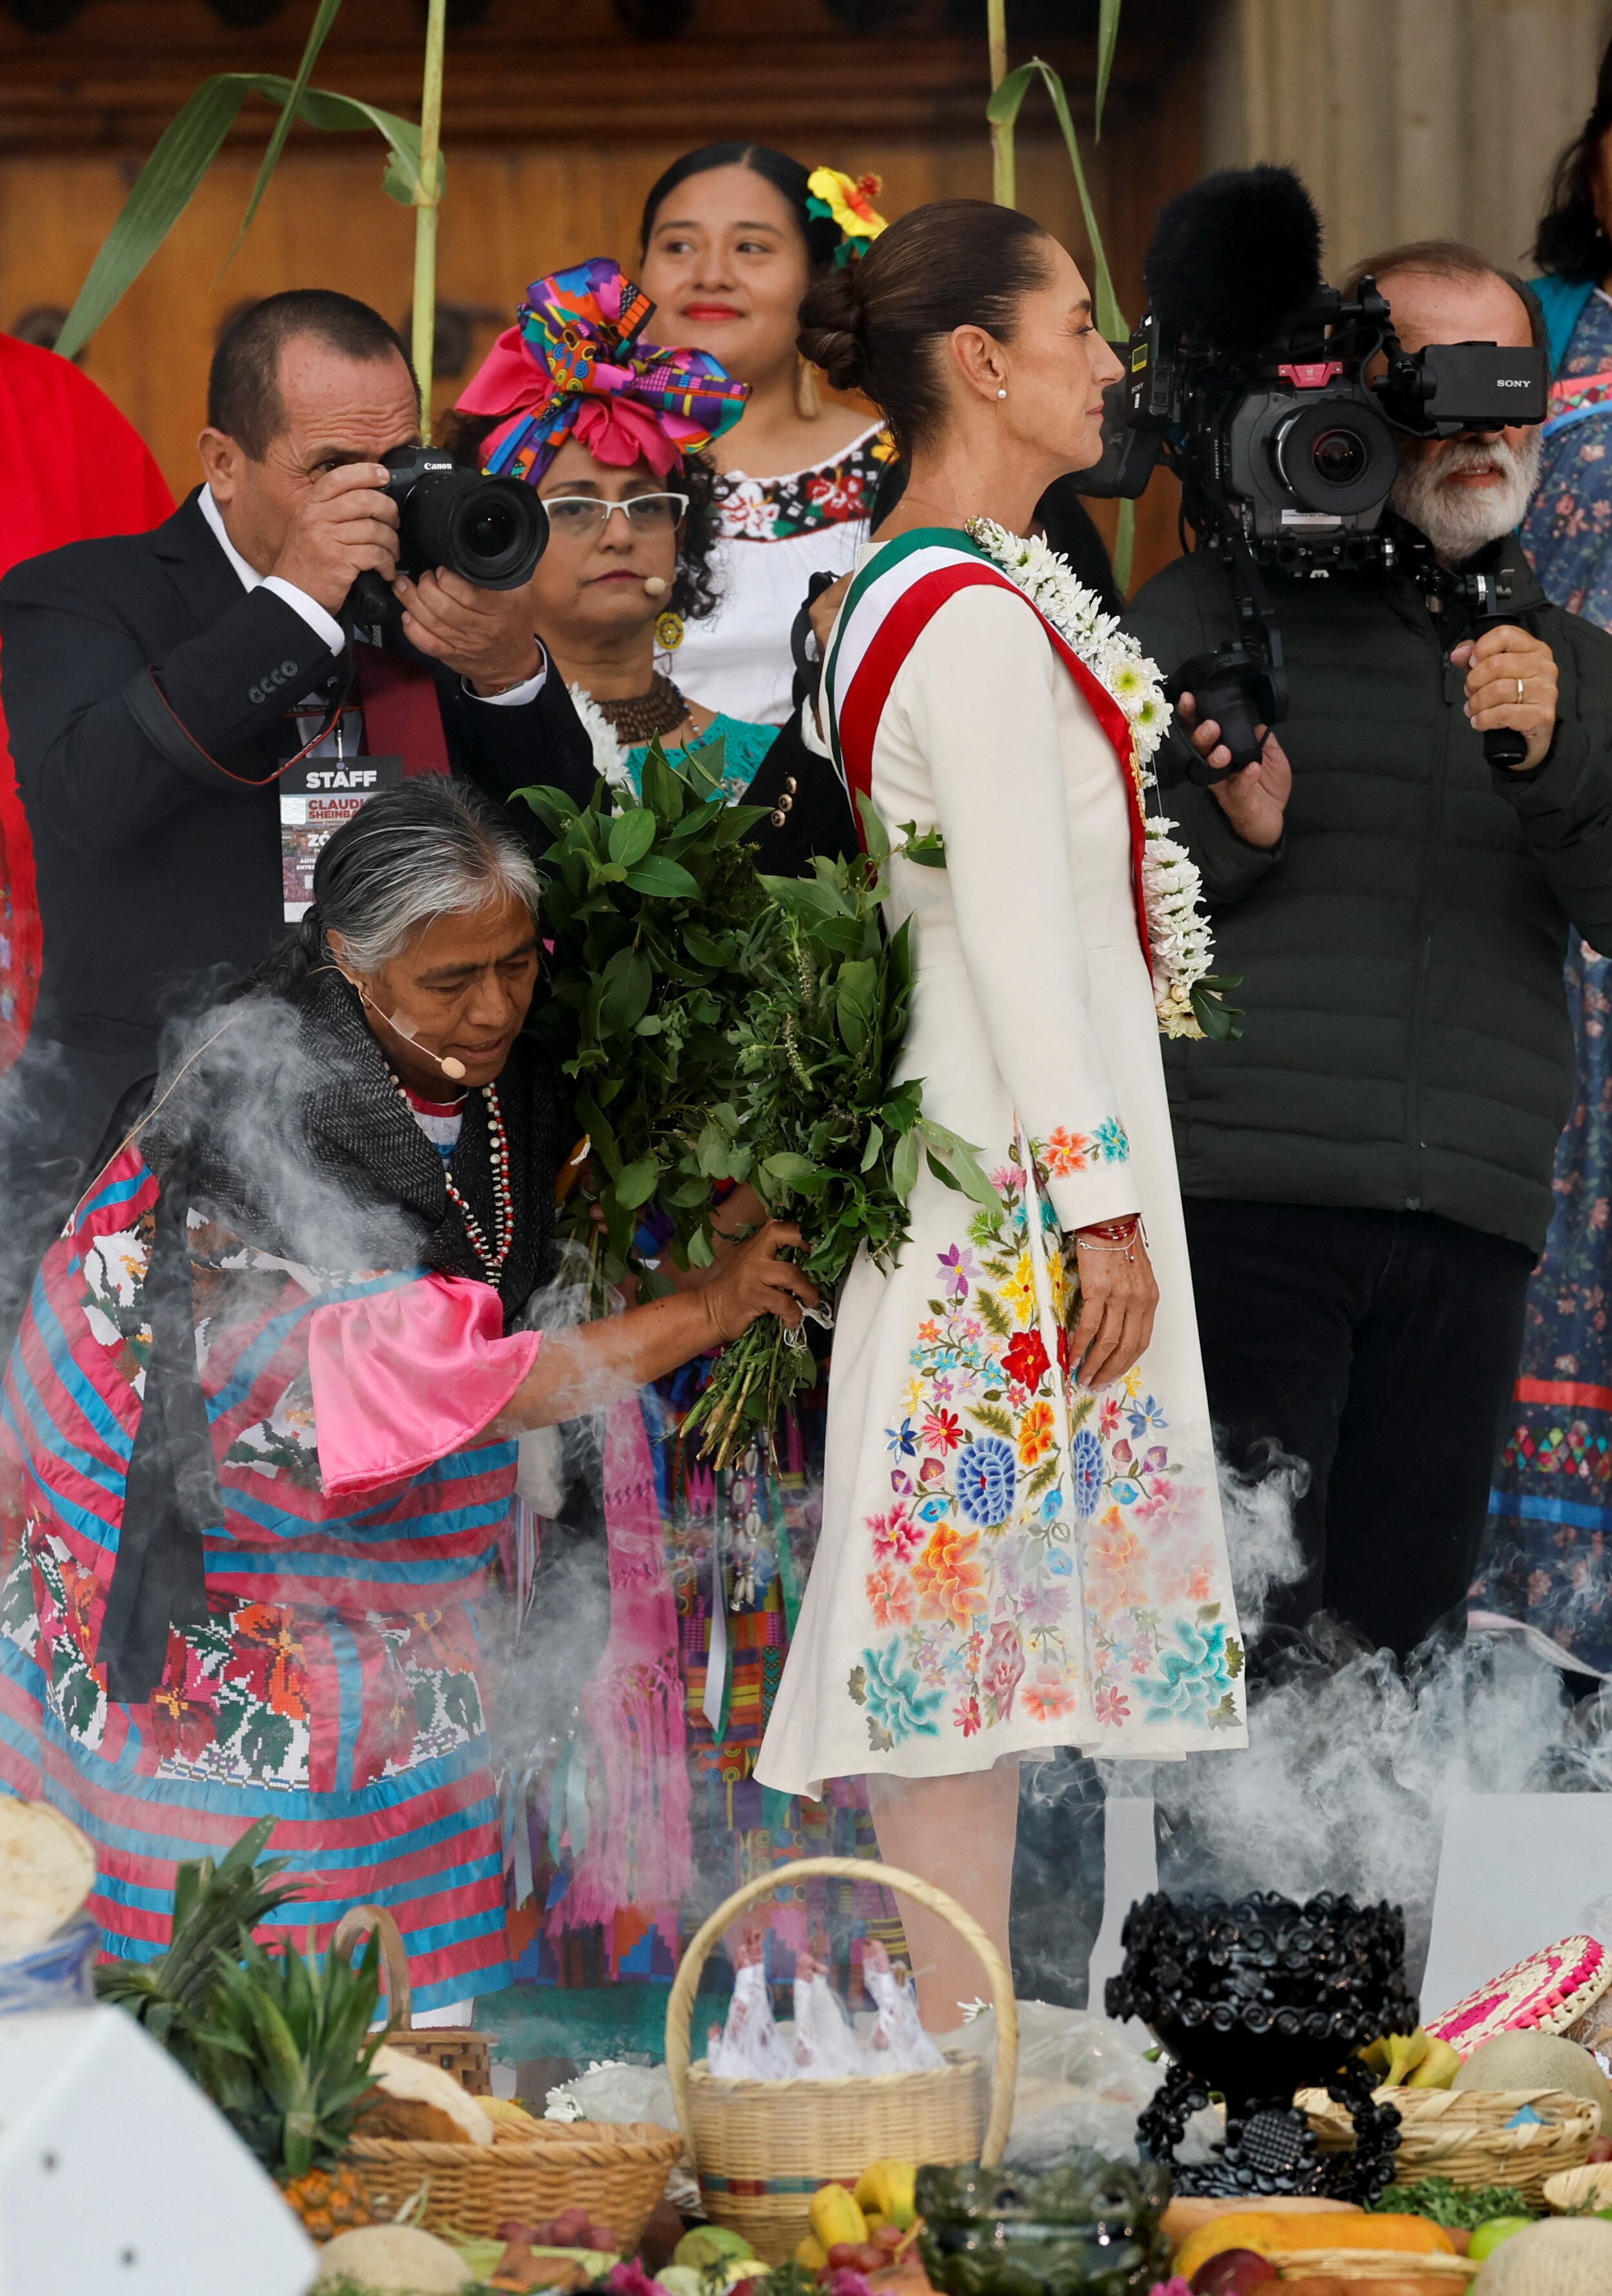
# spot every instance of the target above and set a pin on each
(1172, 886)
(986, 1477)
(1024, 1359)
(1088, 1454)
(895, 1705)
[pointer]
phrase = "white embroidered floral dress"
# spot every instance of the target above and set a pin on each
(1008, 1561)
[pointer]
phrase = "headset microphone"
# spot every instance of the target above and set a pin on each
(653, 588)
(453, 1069)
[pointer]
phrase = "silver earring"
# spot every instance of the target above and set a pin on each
(1002, 393)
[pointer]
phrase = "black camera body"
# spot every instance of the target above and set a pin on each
(1291, 452)
(1280, 405)
(491, 531)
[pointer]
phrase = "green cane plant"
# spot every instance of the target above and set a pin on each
(192, 141)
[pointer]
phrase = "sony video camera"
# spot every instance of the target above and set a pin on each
(1280, 405)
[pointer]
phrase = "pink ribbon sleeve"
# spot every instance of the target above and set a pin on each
(400, 1379)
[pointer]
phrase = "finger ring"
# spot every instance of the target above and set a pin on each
(1519, 689)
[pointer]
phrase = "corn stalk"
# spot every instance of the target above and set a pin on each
(1007, 94)
(192, 141)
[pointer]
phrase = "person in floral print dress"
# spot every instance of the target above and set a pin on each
(1022, 1546)
(732, 235)
(1547, 1563)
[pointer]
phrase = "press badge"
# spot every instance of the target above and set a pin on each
(315, 798)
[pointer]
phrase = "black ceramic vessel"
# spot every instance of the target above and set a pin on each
(1256, 1999)
(1089, 2228)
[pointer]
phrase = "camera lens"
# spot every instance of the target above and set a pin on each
(1339, 457)
(492, 531)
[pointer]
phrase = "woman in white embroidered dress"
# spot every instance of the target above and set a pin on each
(1022, 1543)
(733, 234)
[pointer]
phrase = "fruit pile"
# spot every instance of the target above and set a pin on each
(865, 2228)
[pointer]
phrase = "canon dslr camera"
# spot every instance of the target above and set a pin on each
(492, 531)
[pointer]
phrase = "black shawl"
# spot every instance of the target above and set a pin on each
(287, 1129)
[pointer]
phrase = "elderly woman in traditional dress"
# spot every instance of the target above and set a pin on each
(1022, 1546)
(264, 1402)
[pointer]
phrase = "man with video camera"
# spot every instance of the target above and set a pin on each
(1367, 1169)
(167, 693)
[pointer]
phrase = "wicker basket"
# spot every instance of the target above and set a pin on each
(1464, 2134)
(1580, 2188)
(762, 2148)
(616, 2171)
(459, 2049)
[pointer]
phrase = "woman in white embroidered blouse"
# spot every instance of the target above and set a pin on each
(732, 236)
(1022, 1545)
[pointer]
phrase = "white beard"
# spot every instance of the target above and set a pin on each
(1456, 519)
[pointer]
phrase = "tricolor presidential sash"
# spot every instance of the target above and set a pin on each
(886, 610)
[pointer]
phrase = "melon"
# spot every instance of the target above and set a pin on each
(1538, 2060)
(1565, 2256)
(388, 2259)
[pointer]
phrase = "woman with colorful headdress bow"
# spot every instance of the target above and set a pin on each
(611, 432)
(733, 235)
(704, 1571)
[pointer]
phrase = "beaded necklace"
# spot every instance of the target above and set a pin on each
(493, 1258)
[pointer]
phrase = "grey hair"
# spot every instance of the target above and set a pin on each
(433, 847)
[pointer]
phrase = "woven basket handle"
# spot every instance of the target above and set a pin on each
(354, 1927)
(685, 1985)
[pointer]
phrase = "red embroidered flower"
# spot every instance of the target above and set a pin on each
(1024, 1359)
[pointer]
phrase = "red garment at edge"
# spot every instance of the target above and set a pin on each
(70, 468)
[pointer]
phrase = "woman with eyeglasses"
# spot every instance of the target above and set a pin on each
(612, 433)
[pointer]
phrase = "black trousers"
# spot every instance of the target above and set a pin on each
(1379, 1348)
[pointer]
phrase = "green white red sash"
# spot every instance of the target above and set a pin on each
(889, 605)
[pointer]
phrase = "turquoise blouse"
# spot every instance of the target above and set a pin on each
(744, 748)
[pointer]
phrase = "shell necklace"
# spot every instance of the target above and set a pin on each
(491, 1257)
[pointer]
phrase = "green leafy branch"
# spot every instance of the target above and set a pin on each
(1009, 90)
(192, 141)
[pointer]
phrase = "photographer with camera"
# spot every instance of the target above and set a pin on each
(192, 710)
(1366, 1170)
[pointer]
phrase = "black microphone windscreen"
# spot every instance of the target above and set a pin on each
(1233, 257)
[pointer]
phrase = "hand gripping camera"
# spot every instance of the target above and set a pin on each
(1280, 405)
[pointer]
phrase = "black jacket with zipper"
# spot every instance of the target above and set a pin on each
(1406, 1041)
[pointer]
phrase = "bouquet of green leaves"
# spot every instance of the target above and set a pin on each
(714, 1024)
(816, 1122)
(648, 908)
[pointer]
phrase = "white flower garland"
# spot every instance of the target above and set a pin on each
(1177, 930)
(609, 757)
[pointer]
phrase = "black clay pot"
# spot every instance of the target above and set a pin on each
(1255, 2000)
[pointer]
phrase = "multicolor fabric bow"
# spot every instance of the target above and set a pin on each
(847, 202)
(571, 365)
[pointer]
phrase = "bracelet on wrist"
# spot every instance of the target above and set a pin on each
(1118, 1235)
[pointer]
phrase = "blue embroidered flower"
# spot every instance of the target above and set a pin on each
(889, 1694)
(902, 1442)
(1087, 1472)
(1109, 1141)
(986, 1476)
(1194, 1677)
(1148, 1413)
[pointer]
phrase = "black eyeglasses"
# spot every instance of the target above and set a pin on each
(584, 517)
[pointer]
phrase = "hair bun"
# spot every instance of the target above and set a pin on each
(831, 331)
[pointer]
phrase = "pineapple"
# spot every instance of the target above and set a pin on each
(285, 2051)
(329, 2201)
(216, 1910)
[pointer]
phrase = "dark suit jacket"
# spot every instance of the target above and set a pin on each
(155, 867)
